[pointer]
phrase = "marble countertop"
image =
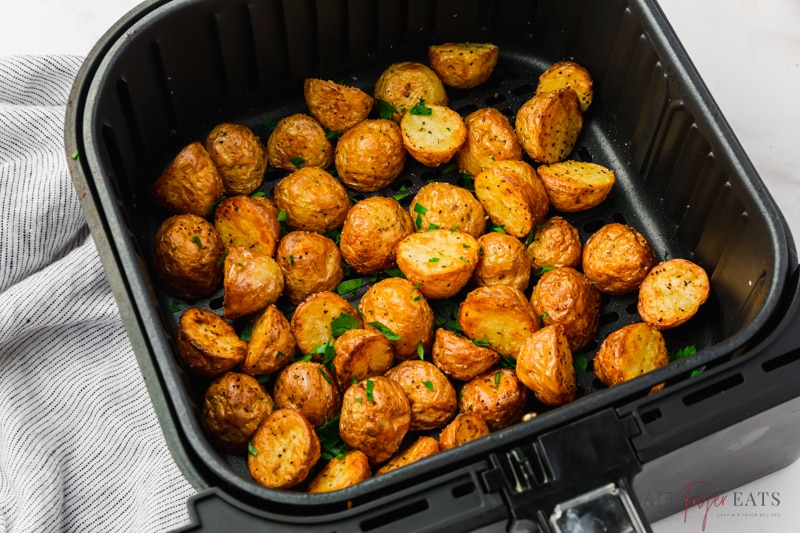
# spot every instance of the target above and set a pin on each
(751, 64)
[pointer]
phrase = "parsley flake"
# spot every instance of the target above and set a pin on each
(343, 322)
(349, 286)
(421, 109)
(297, 161)
(197, 241)
(385, 109)
(252, 449)
(388, 333)
(428, 385)
(370, 386)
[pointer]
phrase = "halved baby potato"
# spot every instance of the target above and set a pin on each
(421, 448)
(283, 450)
(630, 352)
(248, 221)
(404, 84)
(361, 354)
(430, 394)
(672, 293)
(548, 125)
(497, 396)
(465, 427)
(271, 345)
(463, 65)
(544, 365)
(310, 263)
(309, 388)
(441, 205)
(490, 137)
(567, 74)
(459, 357)
(342, 472)
(252, 280)
(336, 106)
(432, 134)
(312, 318)
(207, 344)
(502, 259)
(576, 185)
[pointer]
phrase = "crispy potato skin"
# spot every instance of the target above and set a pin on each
(311, 321)
(430, 393)
(312, 199)
(371, 231)
(617, 258)
(207, 344)
(465, 427)
(310, 388)
(340, 473)
(361, 354)
(460, 358)
(548, 125)
(403, 84)
(251, 281)
(239, 155)
(191, 184)
(375, 422)
(271, 345)
(502, 260)
(630, 352)
(337, 107)
(435, 138)
(449, 207)
(556, 243)
(310, 263)
(490, 137)
(286, 447)
(233, 407)
(672, 293)
(512, 195)
(574, 186)
(568, 74)
(463, 65)
(370, 155)
(187, 256)
(565, 296)
(497, 396)
(249, 222)
(544, 365)
(421, 448)
(297, 141)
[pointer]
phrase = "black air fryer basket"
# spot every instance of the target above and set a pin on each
(169, 71)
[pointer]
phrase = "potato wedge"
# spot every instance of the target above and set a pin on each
(512, 195)
(630, 352)
(251, 281)
(459, 357)
(465, 427)
(247, 221)
(239, 155)
(361, 354)
(191, 184)
(284, 449)
(370, 155)
(548, 125)
(463, 65)
(312, 318)
(421, 448)
(490, 137)
(502, 260)
(574, 186)
(310, 263)
(441, 205)
(271, 345)
(342, 472)
(567, 74)
(312, 199)
(617, 258)
(497, 396)
(432, 134)
(297, 141)
(441, 261)
(544, 365)
(336, 106)
(555, 243)
(309, 388)
(672, 293)
(430, 393)
(207, 344)
(233, 407)
(403, 84)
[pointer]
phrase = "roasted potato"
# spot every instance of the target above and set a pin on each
(370, 155)
(361, 354)
(312, 199)
(371, 231)
(187, 256)
(498, 317)
(432, 134)
(502, 259)
(398, 305)
(544, 365)
(313, 317)
(342, 472)
(459, 357)
(207, 344)
(310, 388)
(251, 281)
(247, 221)
(497, 396)
(512, 195)
(421, 448)
(574, 186)
(441, 205)
(430, 393)
(490, 137)
(463, 65)
(240, 157)
(336, 106)
(271, 345)
(233, 407)
(297, 141)
(617, 258)
(404, 84)
(565, 296)
(567, 74)
(465, 427)
(310, 263)
(440, 261)
(548, 125)
(283, 450)
(191, 184)
(375, 417)
(555, 243)
(630, 352)
(672, 293)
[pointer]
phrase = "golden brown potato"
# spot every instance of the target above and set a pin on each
(187, 256)
(544, 365)
(576, 185)
(233, 407)
(512, 195)
(463, 65)
(342, 472)
(499, 317)
(247, 221)
(310, 263)
(251, 281)
(271, 345)
(420, 449)
(311, 321)
(567, 74)
(299, 141)
(502, 259)
(337, 107)
(310, 388)
(440, 261)
(370, 155)
(464, 428)
(617, 258)
(555, 243)
(672, 293)
(459, 357)
(565, 296)
(497, 396)
(399, 306)
(371, 231)
(440, 205)
(403, 85)
(490, 137)
(191, 184)
(430, 393)
(361, 354)
(207, 344)
(548, 125)
(312, 199)
(284, 449)
(240, 157)
(630, 352)
(432, 134)
(375, 417)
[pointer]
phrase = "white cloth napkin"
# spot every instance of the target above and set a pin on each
(80, 446)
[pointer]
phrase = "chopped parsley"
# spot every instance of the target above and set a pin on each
(282, 215)
(331, 443)
(497, 380)
(450, 167)
(421, 109)
(297, 161)
(421, 209)
(247, 332)
(75, 155)
(385, 109)
(542, 270)
(686, 351)
(388, 333)
(499, 228)
(197, 241)
(483, 343)
(370, 386)
(433, 260)
(349, 286)
(343, 322)
(420, 350)
(428, 385)
(506, 361)
(325, 375)
(580, 362)
(252, 449)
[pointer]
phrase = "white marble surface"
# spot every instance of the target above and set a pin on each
(747, 52)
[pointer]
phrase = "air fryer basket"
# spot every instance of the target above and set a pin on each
(171, 70)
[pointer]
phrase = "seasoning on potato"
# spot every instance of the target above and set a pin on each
(567, 74)
(239, 155)
(490, 137)
(421, 448)
(463, 65)
(370, 155)
(248, 221)
(555, 243)
(312, 199)
(497, 396)
(432, 134)
(283, 450)
(548, 125)
(459, 357)
(441, 205)
(271, 345)
(310, 263)
(309, 388)
(361, 354)
(336, 106)
(313, 320)
(191, 183)
(502, 260)
(630, 352)
(574, 186)
(672, 293)
(430, 394)
(207, 344)
(251, 281)
(342, 472)
(617, 258)
(297, 141)
(402, 85)
(544, 365)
